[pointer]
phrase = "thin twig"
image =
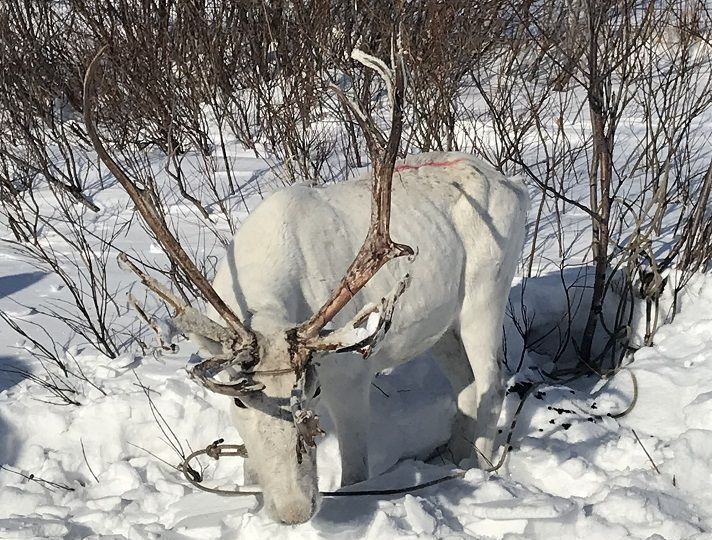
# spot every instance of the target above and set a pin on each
(81, 442)
(155, 456)
(40, 481)
(646, 452)
(171, 439)
(380, 389)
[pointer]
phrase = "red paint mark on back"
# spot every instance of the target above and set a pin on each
(407, 167)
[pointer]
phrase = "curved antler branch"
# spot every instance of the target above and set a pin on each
(150, 215)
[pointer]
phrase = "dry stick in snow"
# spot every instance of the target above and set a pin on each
(84, 453)
(634, 399)
(171, 439)
(646, 452)
(41, 481)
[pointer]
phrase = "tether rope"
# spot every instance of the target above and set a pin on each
(217, 449)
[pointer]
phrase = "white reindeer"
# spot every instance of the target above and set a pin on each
(466, 223)
(463, 223)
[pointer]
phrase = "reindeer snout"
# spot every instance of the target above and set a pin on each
(294, 513)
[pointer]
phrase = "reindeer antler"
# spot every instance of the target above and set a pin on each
(243, 337)
(378, 247)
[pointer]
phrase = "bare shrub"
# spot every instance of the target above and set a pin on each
(598, 65)
(545, 89)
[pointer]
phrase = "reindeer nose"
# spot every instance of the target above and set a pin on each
(295, 513)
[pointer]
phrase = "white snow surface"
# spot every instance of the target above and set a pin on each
(575, 471)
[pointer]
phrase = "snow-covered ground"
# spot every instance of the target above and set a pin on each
(107, 467)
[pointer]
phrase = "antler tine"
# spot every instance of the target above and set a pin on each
(186, 319)
(342, 340)
(150, 215)
(378, 247)
(373, 135)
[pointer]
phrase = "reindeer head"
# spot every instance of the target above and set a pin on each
(274, 399)
(273, 415)
(269, 364)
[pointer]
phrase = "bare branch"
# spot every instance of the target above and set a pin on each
(380, 67)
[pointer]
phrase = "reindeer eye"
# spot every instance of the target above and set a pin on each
(240, 404)
(317, 392)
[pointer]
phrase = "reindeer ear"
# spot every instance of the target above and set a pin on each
(363, 333)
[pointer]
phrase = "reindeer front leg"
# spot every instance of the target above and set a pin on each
(346, 395)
